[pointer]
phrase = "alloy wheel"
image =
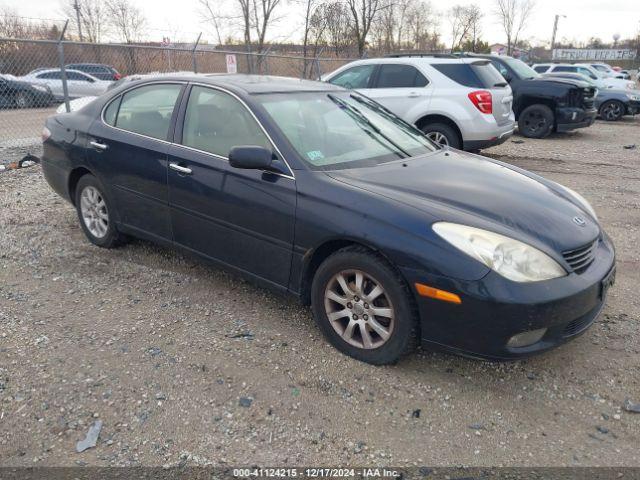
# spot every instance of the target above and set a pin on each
(359, 309)
(612, 111)
(94, 211)
(438, 137)
(535, 122)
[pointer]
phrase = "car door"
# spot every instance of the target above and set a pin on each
(79, 84)
(358, 77)
(399, 87)
(128, 152)
(242, 218)
(53, 80)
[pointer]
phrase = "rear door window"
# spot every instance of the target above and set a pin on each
(400, 76)
(354, 77)
(473, 75)
(565, 69)
(148, 110)
(50, 76)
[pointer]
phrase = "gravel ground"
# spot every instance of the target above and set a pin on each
(184, 363)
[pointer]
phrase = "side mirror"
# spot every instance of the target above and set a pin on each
(251, 157)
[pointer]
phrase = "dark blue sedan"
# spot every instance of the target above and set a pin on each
(323, 194)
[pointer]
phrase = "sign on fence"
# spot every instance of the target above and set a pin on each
(573, 54)
(232, 63)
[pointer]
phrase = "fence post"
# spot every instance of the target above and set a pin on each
(63, 70)
(193, 54)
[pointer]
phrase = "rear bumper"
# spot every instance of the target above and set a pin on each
(494, 309)
(471, 145)
(570, 118)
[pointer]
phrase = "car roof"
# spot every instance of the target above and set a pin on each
(416, 59)
(251, 84)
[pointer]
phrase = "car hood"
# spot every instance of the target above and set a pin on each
(557, 80)
(459, 187)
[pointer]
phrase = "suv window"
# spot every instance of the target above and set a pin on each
(147, 110)
(541, 68)
(565, 69)
(215, 122)
(354, 77)
(473, 75)
(400, 76)
(77, 76)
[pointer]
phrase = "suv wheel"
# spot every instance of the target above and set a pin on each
(612, 110)
(363, 307)
(95, 213)
(442, 134)
(536, 121)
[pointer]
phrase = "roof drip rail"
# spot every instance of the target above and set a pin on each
(420, 54)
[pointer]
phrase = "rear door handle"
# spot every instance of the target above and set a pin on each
(98, 145)
(414, 94)
(178, 168)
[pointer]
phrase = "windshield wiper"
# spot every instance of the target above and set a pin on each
(362, 118)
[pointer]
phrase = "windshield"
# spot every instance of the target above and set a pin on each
(342, 129)
(521, 69)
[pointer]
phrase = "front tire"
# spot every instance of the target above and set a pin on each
(364, 307)
(612, 110)
(95, 213)
(24, 100)
(536, 121)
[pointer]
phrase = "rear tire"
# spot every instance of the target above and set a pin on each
(373, 317)
(536, 121)
(95, 213)
(442, 134)
(612, 110)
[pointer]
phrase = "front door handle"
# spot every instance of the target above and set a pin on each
(178, 168)
(414, 94)
(98, 145)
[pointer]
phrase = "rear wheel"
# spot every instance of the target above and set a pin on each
(364, 307)
(536, 121)
(95, 213)
(442, 134)
(612, 110)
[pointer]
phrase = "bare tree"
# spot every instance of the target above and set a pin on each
(420, 19)
(338, 22)
(211, 14)
(474, 15)
(363, 14)
(460, 21)
(127, 20)
(513, 15)
(262, 17)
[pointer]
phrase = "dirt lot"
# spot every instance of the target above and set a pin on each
(184, 363)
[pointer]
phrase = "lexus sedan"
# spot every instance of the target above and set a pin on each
(319, 192)
(18, 94)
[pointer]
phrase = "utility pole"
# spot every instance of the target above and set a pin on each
(76, 7)
(555, 30)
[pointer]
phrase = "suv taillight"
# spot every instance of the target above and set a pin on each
(482, 100)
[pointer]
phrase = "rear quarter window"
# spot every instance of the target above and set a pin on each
(473, 75)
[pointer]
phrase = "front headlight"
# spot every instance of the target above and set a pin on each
(39, 87)
(510, 258)
(634, 97)
(581, 200)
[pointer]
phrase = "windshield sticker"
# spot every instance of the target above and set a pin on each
(315, 155)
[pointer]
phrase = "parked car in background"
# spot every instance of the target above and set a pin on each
(79, 84)
(543, 105)
(612, 103)
(463, 103)
(321, 193)
(587, 70)
(16, 93)
(606, 70)
(98, 70)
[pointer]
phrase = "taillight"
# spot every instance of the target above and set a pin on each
(46, 133)
(482, 100)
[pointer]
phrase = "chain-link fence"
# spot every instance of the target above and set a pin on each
(39, 76)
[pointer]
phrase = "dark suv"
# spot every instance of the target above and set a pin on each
(98, 70)
(543, 105)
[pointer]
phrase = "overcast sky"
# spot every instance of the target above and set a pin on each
(585, 18)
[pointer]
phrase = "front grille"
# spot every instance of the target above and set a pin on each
(579, 259)
(589, 98)
(579, 325)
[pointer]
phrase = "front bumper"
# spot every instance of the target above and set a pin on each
(633, 107)
(494, 309)
(569, 118)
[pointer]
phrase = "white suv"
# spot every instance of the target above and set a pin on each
(461, 102)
